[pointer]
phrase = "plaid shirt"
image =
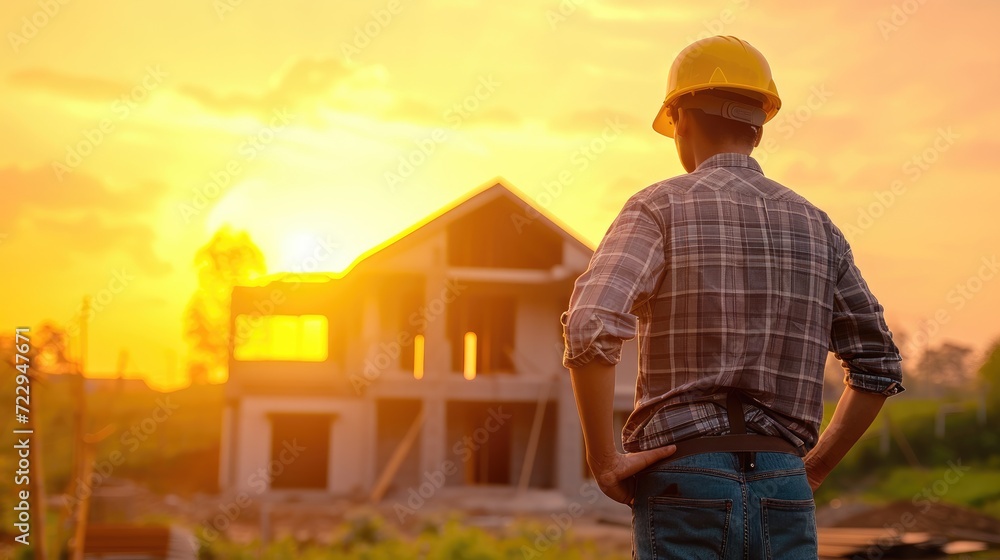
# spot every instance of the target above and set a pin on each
(730, 280)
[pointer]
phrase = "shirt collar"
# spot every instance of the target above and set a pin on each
(731, 160)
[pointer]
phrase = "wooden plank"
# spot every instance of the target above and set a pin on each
(838, 550)
(397, 458)
(861, 535)
(973, 535)
(843, 542)
(858, 537)
(534, 436)
(131, 541)
(964, 547)
(917, 538)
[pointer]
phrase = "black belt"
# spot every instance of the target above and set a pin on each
(737, 441)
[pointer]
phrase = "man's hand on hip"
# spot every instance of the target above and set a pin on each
(614, 472)
(594, 387)
(855, 412)
(816, 471)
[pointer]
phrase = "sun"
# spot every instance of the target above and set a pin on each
(300, 250)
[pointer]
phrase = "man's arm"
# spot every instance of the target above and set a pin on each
(860, 338)
(624, 270)
(855, 412)
(594, 387)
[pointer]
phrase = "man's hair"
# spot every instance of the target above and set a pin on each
(721, 128)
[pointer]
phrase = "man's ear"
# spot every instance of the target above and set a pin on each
(682, 127)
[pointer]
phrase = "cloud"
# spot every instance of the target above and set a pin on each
(308, 86)
(305, 80)
(497, 117)
(38, 189)
(92, 235)
(81, 215)
(592, 121)
(311, 85)
(639, 11)
(88, 88)
(415, 111)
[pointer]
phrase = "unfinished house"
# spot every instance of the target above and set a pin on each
(436, 358)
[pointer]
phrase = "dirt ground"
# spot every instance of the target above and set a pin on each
(500, 509)
(934, 518)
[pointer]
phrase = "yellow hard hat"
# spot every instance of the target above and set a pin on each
(724, 63)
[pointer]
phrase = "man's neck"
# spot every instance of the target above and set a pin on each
(708, 151)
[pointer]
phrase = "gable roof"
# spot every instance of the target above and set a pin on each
(477, 198)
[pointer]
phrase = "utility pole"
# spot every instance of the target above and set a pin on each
(82, 458)
(37, 483)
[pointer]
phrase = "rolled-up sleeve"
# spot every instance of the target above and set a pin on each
(860, 338)
(624, 271)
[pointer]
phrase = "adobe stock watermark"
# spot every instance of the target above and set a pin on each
(221, 179)
(32, 24)
(555, 530)
(464, 449)
(913, 169)
(365, 34)
(715, 26)
(924, 501)
(131, 439)
(121, 109)
(711, 27)
(323, 251)
(581, 159)
(225, 7)
(789, 121)
(957, 298)
(899, 16)
(119, 281)
(408, 163)
(259, 481)
(563, 11)
(386, 355)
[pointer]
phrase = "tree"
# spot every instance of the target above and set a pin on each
(989, 373)
(945, 368)
(229, 259)
(48, 350)
(51, 343)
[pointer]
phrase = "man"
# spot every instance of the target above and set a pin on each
(737, 288)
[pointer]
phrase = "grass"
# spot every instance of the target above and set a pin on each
(976, 487)
(184, 441)
(901, 410)
(368, 538)
(872, 475)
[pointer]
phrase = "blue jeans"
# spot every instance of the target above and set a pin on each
(704, 506)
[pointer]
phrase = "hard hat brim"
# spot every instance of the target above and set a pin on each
(664, 122)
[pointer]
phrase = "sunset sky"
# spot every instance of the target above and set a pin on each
(133, 130)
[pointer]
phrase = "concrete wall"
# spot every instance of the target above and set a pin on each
(351, 436)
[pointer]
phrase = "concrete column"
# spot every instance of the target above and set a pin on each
(333, 459)
(370, 328)
(370, 466)
(226, 451)
(439, 293)
(433, 435)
